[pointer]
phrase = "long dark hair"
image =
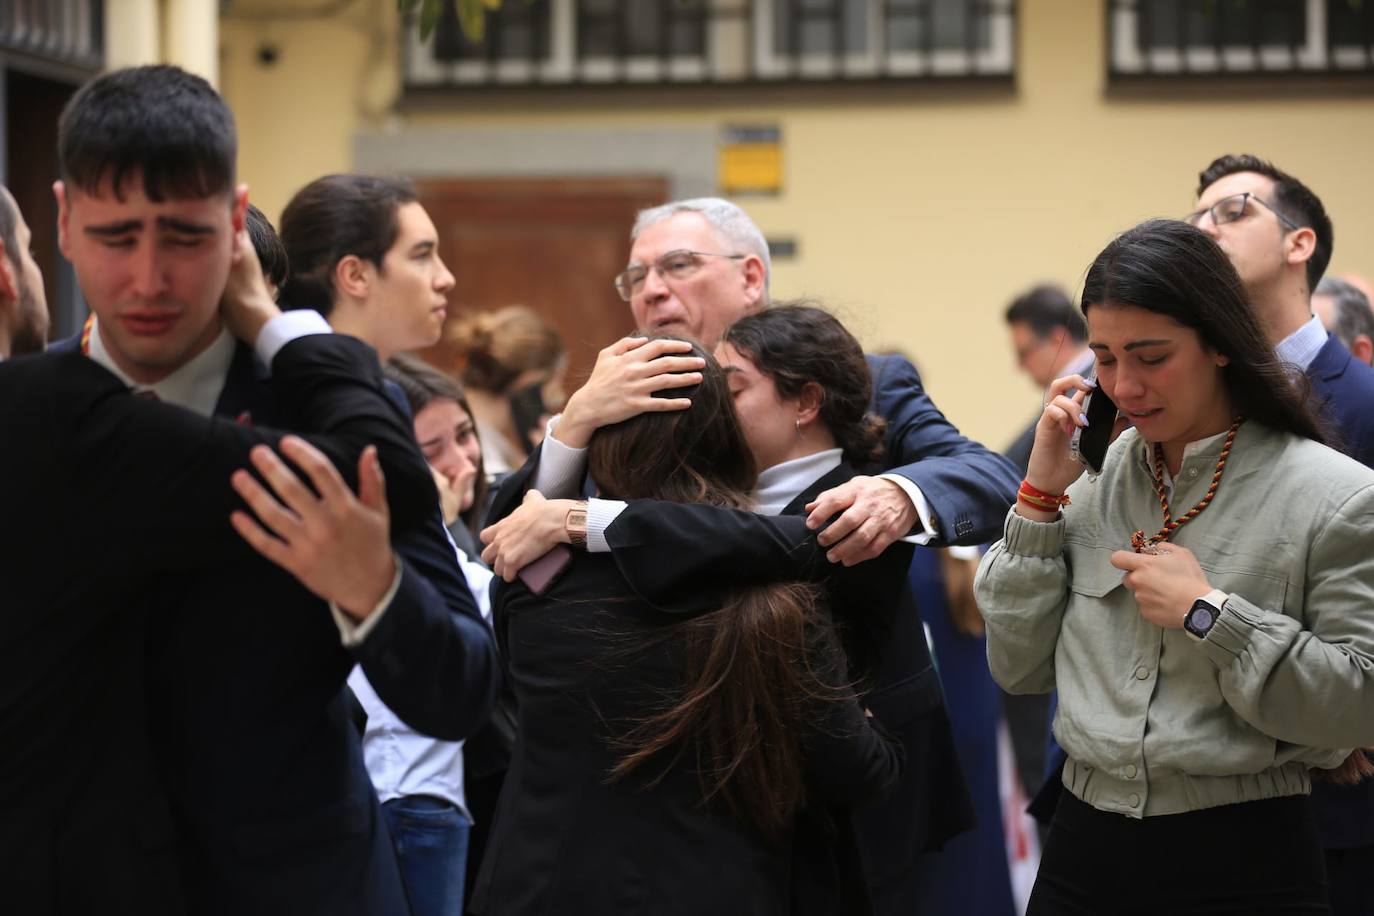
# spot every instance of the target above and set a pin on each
(1170, 268)
(422, 384)
(794, 343)
(743, 708)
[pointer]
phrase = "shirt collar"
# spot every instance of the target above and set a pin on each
(781, 483)
(1301, 347)
(196, 385)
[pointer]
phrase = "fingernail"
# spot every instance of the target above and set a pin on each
(1090, 382)
(1084, 418)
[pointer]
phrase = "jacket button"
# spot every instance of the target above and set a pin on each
(1142, 673)
(1131, 771)
(1192, 472)
(1134, 800)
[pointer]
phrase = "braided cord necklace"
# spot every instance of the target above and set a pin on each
(1142, 544)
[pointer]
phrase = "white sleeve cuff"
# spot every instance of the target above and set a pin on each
(561, 468)
(286, 327)
(600, 514)
(918, 499)
(353, 632)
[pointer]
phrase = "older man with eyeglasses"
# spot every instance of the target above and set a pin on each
(697, 266)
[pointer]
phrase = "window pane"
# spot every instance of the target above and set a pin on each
(1350, 23)
(939, 25)
(820, 26)
(517, 31)
(616, 28)
(1212, 23)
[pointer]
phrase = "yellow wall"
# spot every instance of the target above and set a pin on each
(918, 214)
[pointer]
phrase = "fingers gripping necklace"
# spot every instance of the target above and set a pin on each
(1139, 542)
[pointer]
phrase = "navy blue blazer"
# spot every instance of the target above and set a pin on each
(969, 487)
(1343, 392)
(251, 723)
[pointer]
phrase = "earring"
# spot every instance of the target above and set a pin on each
(799, 427)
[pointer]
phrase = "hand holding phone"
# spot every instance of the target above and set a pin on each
(1089, 443)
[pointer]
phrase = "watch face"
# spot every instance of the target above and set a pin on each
(1202, 617)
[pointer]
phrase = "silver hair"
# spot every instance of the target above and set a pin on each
(729, 220)
(1353, 313)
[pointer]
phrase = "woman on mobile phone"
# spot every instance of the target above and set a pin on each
(1205, 607)
(664, 754)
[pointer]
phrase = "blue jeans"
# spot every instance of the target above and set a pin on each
(431, 840)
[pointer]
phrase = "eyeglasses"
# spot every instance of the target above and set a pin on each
(675, 265)
(1230, 209)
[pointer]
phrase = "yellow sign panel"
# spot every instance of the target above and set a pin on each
(750, 161)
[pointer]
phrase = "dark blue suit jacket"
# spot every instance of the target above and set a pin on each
(968, 486)
(252, 727)
(1343, 392)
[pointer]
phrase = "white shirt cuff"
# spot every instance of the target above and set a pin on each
(600, 514)
(353, 632)
(918, 499)
(286, 327)
(561, 468)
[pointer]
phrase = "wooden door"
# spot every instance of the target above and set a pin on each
(551, 244)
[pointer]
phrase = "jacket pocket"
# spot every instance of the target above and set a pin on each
(897, 704)
(1091, 572)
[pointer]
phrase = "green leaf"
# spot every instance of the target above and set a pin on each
(429, 17)
(472, 18)
(405, 6)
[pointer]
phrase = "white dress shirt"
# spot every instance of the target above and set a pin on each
(400, 760)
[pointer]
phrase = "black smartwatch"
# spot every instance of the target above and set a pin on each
(1202, 616)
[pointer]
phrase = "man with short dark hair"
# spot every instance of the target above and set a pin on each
(250, 723)
(1346, 312)
(1050, 339)
(1279, 238)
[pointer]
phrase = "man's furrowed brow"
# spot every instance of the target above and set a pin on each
(184, 227)
(122, 227)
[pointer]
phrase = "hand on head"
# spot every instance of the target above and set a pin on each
(336, 544)
(622, 383)
(246, 305)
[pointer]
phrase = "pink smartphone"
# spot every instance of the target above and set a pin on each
(543, 572)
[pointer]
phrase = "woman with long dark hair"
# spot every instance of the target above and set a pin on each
(662, 761)
(1204, 606)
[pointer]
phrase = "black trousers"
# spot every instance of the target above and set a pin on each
(1256, 858)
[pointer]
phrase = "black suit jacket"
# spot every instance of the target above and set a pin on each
(664, 550)
(585, 659)
(252, 721)
(86, 826)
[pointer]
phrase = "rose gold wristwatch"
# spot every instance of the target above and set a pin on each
(576, 524)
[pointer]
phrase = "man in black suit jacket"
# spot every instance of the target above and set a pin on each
(250, 723)
(86, 825)
(1279, 238)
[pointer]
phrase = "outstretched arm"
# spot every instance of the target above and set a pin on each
(942, 488)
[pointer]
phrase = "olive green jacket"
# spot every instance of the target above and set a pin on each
(1154, 721)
